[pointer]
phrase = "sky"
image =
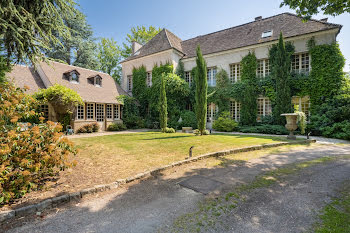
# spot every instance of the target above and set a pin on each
(190, 18)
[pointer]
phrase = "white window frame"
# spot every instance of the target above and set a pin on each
(235, 110)
(71, 77)
(149, 79)
(235, 72)
(80, 112)
(116, 111)
(109, 111)
(88, 111)
(302, 102)
(265, 65)
(98, 84)
(211, 76)
(188, 77)
(266, 107)
(129, 83)
(212, 111)
(300, 70)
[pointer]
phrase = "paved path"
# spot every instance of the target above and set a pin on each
(105, 133)
(153, 203)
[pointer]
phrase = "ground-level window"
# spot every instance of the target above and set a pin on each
(100, 112)
(301, 63)
(189, 107)
(90, 111)
(129, 83)
(44, 109)
(149, 79)
(264, 107)
(211, 77)
(302, 104)
(263, 68)
(235, 110)
(235, 73)
(80, 112)
(116, 112)
(212, 110)
(188, 77)
(109, 111)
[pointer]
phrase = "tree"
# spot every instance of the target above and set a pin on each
(79, 49)
(250, 82)
(163, 111)
(180, 70)
(26, 27)
(201, 91)
(140, 34)
(280, 71)
(222, 91)
(109, 56)
(307, 8)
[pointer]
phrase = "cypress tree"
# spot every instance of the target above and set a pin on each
(180, 70)
(201, 91)
(163, 111)
(280, 70)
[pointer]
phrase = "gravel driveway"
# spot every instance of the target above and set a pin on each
(157, 202)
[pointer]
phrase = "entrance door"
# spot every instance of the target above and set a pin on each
(212, 109)
(100, 115)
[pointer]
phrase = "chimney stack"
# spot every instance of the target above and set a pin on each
(135, 46)
(258, 18)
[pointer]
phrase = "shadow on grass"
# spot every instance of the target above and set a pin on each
(147, 139)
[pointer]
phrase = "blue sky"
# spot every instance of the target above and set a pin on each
(189, 18)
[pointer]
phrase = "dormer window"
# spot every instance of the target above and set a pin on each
(72, 76)
(266, 34)
(98, 81)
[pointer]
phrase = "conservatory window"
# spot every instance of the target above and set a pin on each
(80, 112)
(109, 111)
(90, 111)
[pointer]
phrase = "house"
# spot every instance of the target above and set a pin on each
(224, 49)
(98, 91)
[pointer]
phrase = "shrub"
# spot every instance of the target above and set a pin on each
(89, 128)
(28, 155)
(197, 132)
(169, 130)
(116, 127)
(264, 129)
(95, 127)
(225, 123)
(188, 119)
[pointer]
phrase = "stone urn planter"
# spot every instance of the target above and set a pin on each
(291, 124)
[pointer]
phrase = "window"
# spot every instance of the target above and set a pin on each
(302, 104)
(149, 79)
(266, 34)
(189, 107)
(80, 112)
(98, 81)
(109, 111)
(100, 112)
(235, 73)
(264, 107)
(188, 77)
(235, 110)
(301, 63)
(90, 111)
(74, 77)
(116, 112)
(44, 109)
(263, 68)
(129, 83)
(212, 110)
(211, 77)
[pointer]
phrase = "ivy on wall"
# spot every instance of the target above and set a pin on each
(139, 87)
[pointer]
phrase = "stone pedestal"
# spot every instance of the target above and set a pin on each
(291, 124)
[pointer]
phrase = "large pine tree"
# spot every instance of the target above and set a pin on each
(201, 91)
(163, 108)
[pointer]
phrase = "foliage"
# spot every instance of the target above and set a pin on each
(163, 108)
(26, 27)
(198, 132)
(307, 8)
(139, 87)
(280, 60)
(225, 123)
(180, 70)
(28, 154)
(140, 34)
(4, 68)
(116, 127)
(201, 91)
(220, 95)
(109, 57)
(301, 121)
(89, 128)
(79, 49)
(188, 119)
(131, 115)
(169, 130)
(265, 129)
(326, 75)
(249, 94)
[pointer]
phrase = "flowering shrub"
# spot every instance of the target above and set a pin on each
(28, 154)
(89, 128)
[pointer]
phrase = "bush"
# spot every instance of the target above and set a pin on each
(116, 127)
(197, 132)
(188, 119)
(264, 129)
(169, 130)
(89, 128)
(28, 155)
(225, 123)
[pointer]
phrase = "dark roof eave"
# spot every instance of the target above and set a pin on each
(126, 60)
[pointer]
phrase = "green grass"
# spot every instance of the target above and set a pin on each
(124, 155)
(335, 217)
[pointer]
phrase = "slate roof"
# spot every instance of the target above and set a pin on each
(26, 76)
(235, 37)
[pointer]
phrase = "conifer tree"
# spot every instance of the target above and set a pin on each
(201, 91)
(163, 111)
(180, 70)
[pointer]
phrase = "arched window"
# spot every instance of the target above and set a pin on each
(98, 81)
(74, 77)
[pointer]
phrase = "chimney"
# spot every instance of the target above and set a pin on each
(135, 46)
(258, 18)
(324, 20)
